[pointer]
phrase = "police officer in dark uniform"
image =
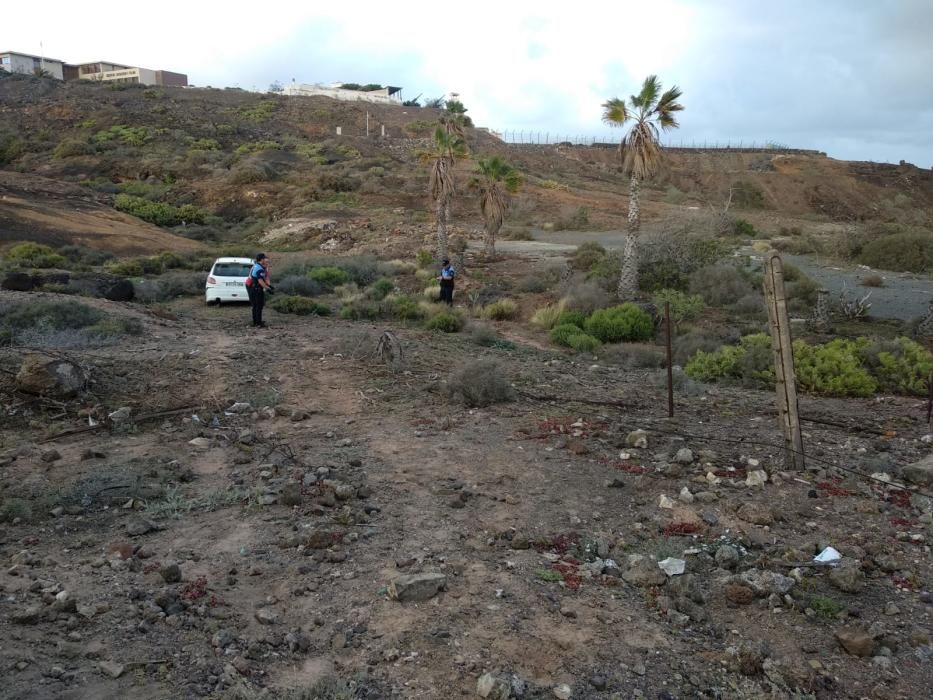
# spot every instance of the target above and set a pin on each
(257, 284)
(447, 282)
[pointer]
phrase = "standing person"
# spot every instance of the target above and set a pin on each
(447, 282)
(257, 284)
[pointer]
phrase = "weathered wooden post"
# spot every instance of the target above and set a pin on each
(670, 366)
(781, 344)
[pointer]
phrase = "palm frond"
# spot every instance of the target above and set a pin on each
(615, 112)
(650, 89)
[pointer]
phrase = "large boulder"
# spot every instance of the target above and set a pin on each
(919, 473)
(120, 290)
(18, 282)
(47, 376)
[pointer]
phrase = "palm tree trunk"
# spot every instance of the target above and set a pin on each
(442, 212)
(628, 280)
(489, 240)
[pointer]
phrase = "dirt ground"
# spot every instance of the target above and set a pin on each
(289, 518)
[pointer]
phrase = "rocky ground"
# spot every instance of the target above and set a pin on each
(280, 512)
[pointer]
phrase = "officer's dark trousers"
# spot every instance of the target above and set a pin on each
(257, 299)
(447, 292)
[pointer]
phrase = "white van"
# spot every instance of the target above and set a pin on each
(227, 280)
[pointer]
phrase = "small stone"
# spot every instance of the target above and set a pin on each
(919, 473)
(727, 556)
(139, 526)
(672, 566)
(27, 616)
(298, 415)
(417, 587)
(738, 594)
(57, 512)
(562, 692)
(755, 513)
(758, 477)
(641, 571)
(240, 407)
(665, 502)
(598, 682)
(171, 573)
(202, 443)
(111, 668)
(489, 686)
(847, 577)
(637, 439)
(121, 415)
(856, 642)
(291, 494)
(684, 456)
(891, 609)
(265, 616)
(685, 496)
(50, 455)
(709, 517)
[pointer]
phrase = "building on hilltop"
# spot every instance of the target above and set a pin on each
(102, 71)
(349, 92)
(25, 63)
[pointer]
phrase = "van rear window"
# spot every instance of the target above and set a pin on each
(231, 269)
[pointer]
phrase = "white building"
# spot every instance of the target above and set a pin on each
(388, 95)
(28, 64)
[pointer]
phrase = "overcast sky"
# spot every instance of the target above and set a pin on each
(853, 78)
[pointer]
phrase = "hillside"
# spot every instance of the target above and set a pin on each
(247, 159)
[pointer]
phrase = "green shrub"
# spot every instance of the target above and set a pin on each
(674, 196)
(329, 276)
(834, 369)
(748, 195)
(424, 259)
(587, 255)
(500, 310)
(584, 343)
(301, 286)
(257, 113)
(114, 327)
(381, 288)
(683, 307)
(407, 309)
(901, 252)
(900, 366)
(60, 324)
(302, 306)
(744, 229)
(159, 213)
(666, 259)
(546, 317)
(11, 148)
(129, 135)
(204, 145)
(626, 322)
(446, 322)
(562, 334)
(748, 361)
(70, 148)
(573, 318)
(257, 147)
(361, 309)
(34, 255)
(586, 296)
(127, 268)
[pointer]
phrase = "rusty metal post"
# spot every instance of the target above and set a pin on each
(670, 364)
(782, 346)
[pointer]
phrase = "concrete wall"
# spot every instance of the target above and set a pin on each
(377, 96)
(124, 75)
(167, 78)
(20, 63)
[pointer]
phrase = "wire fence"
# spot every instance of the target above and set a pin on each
(545, 138)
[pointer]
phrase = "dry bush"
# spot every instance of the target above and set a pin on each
(546, 317)
(873, 281)
(587, 296)
(634, 355)
(480, 383)
(720, 285)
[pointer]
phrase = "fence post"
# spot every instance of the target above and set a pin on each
(781, 344)
(670, 367)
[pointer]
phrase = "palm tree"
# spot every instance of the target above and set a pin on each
(447, 149)
(640, 150)
(496, 181)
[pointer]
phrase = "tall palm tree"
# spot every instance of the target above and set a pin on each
(496, 180)
(651, 112)
(447, 149)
